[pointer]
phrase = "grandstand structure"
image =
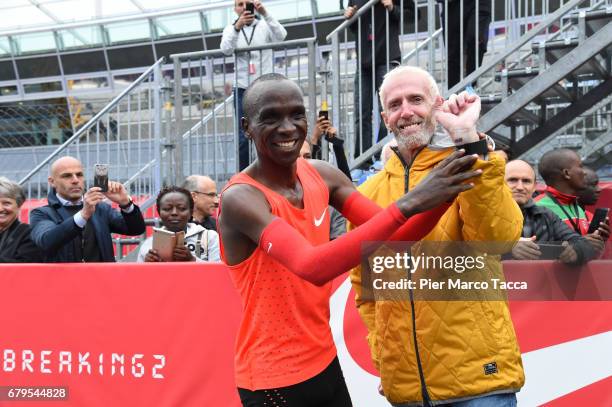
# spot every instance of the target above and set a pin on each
(149, 92)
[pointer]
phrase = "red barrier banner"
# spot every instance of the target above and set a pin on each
(163, 335)
(120, 335)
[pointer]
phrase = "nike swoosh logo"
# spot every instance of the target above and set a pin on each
(317, 222)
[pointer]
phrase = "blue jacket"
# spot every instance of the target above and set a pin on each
(53, 229)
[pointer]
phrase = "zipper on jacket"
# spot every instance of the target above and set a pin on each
(424, 392)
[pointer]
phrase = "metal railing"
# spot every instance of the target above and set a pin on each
(504, 30)
(125, 134)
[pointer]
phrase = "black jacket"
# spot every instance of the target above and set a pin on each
(548, 227)
(364, 50)
(17, 246)
(53, 229)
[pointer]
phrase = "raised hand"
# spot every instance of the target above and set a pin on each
(246, 18)
(458, 115)
(91, 198)
(350, 12)
(260, 8)
(117, 193)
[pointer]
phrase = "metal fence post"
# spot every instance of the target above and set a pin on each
(175, 170)
(157, 127)
(336, 78)
(431, 27)
(312, 85)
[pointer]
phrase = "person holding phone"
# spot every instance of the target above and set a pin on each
(542, 229)
(175, 208)
(324, 129)
(565, 178)
(76, 225)
(247, 31)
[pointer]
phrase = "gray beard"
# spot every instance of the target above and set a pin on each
(413, 141)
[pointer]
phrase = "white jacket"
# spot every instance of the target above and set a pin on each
(267, 31)
(208, 239)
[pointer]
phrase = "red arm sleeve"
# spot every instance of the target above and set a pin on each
(320, 264)
(358, 209)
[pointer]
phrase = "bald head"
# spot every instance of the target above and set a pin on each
(562, 169)
(204, 193)
(63, 162)
(254, 94)
(520, 178)
(67, 178)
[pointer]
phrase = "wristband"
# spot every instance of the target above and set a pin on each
(479, 147)
(127, 205)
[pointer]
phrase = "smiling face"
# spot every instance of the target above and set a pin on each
(8, 212)
(277, 121)
(174, 211)
(408, 109)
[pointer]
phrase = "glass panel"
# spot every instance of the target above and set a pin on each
(178, 25)
(8, 90)
(117, 7)
(290, 10)
(81, 37)
(162, 4)
(5, 46)
(331, 7)
(71, 10)
(42, 87)
(22, 17)
(128, 31)
(82, 85)
(218, 19)
(36, 42)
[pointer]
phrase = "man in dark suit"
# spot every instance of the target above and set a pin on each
(77, 227)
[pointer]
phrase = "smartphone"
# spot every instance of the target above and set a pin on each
(164, 242)
(324, 113)
(101, 176)
(550, 251)
(600, 216)
(250, 7)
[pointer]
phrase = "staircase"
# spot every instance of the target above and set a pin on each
(558, 83)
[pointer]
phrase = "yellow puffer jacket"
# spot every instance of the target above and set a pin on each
(458, 341)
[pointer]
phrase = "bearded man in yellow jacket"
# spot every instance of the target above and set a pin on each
(453, 353)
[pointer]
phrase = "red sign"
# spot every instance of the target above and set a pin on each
(163, 335)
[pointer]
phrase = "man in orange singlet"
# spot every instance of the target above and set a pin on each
(274, 226)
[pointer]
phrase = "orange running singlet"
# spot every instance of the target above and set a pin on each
(284, 336)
